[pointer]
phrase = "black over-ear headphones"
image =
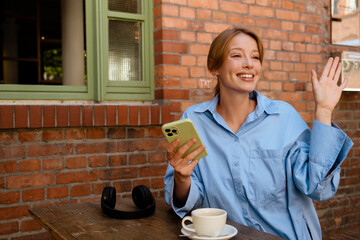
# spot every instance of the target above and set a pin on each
(141, 196)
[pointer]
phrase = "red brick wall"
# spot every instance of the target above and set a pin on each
(67, 153)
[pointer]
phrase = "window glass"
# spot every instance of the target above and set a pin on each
(42, 42)
(124, 51)
(129, 6)
(345, 28)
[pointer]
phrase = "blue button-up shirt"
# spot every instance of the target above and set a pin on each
(267, 173)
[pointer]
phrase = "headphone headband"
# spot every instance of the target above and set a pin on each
(142, 198)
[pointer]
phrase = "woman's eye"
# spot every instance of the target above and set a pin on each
(236, 55)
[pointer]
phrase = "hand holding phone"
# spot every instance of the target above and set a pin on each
(184, 130)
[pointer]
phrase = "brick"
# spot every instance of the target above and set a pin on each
(287, 15)
(62, 115)
(275, 86)
(176, 94)
(95, 133)
(189, 83)
(158, 157)
(49, 116)
(52, 135)
(30, 225)
(195, 25)
(75, 116)
(9, 152)
(275, 75)
(211, 27)
(117, 160)
(155, 114)
(288, 56)
(9, 228)
(97, 161)
(73, 177)
(75, 162)
(49, 149)
(6, 116)
(122, 115)
(29, 136)
(310, 18)
(204, 38)
(174, 71)
(170, 22)
(167, 59)
(311, 58)
(141, 145)
(135, 133)
(144, 115)
(13, 212)
(21, 116)
(9, 197)
(118, 173)
(53, 164)
(187, 36)
(80, 190)
(169, 10)
(33, 195)
(7, 137)
(123, 186)
(233, 7)
(74, 134)
(111, 115)
(89, 148)
(136, 159)
(186, 12)
(203, 14)
(30, 180)
(154, 132)
(201, 3)
(133, 115)
(300, 37)
(157, 183)
(153, 171)
(249, 21)
(87, 116)
(35, 116)
(166, 34)
(116, 133)
(275, 34)
(219, 16)
(188, 60)
(303, 77)
(29, 165)
(173, 47)
(234, 18)
(261, 11)
(57, 192)
(165, 114)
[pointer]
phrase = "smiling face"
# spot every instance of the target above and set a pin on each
(241, 68)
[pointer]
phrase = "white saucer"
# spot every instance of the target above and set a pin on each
(228, 232)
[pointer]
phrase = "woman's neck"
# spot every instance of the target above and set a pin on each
(234, 109)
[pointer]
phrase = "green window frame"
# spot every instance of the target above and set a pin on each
(98, 87)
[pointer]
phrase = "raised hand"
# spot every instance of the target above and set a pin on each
(326, 90)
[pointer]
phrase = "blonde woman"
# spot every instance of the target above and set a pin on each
(264, 165)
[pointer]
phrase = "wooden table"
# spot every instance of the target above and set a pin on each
(86, 221)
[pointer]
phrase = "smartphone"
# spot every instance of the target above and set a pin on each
(184, 130)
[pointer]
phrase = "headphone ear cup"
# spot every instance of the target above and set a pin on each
(108, 197)
(142, 197)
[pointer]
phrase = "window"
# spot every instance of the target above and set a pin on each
(345, 22)
(76, 49)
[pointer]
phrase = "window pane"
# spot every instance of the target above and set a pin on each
(345, 28)
(42, 42)
(129, 6)
(125, 51)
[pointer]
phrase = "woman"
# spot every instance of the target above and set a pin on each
(264, 165)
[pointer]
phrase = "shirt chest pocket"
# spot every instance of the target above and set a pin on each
(267, 180)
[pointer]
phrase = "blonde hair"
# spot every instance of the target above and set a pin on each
(219, 47)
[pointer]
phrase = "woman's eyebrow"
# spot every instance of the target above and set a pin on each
(241, 49)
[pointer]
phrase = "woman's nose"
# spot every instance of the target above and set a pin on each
(247, 63)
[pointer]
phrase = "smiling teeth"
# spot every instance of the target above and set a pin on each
(246, 75)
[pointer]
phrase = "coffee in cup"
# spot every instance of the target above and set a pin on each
(207, 222)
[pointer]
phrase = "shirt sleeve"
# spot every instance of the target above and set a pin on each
(195, 195)
(316, 170)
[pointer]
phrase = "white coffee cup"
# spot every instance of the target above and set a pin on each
(207, 222)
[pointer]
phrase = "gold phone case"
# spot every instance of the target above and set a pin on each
(184, 130)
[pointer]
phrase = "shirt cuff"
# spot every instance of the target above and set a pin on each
(190, 202)
(329, 146)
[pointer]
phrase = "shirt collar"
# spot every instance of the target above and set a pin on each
(264, 104)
